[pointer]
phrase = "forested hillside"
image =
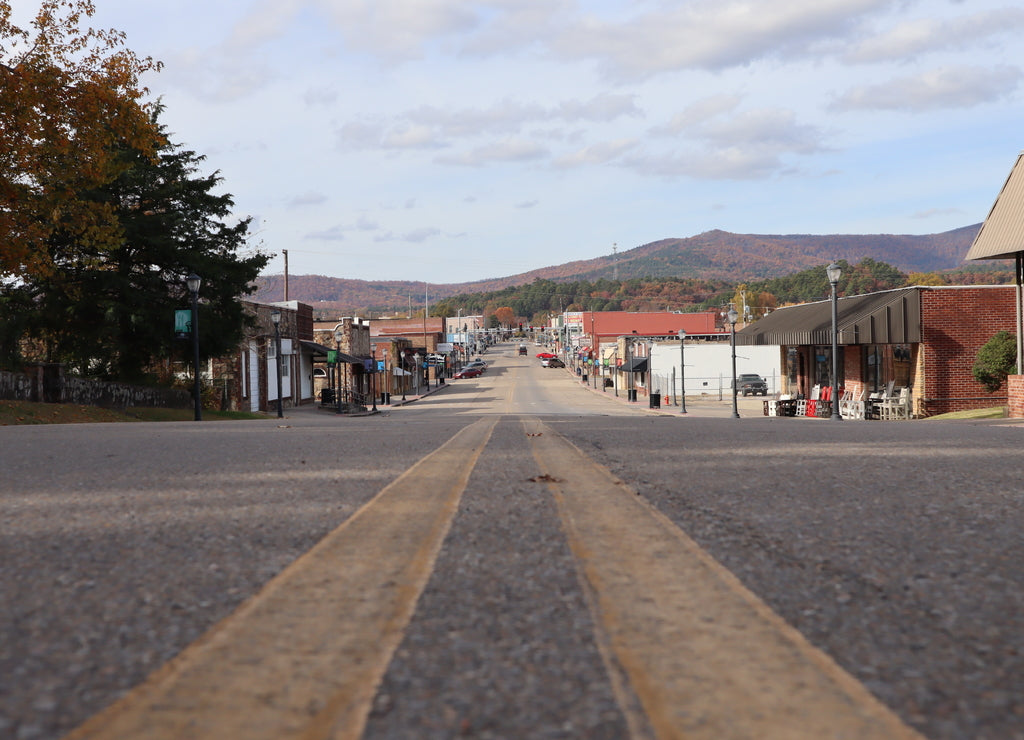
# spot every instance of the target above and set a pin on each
(670, 273)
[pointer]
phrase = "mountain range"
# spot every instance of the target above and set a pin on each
(714, 255)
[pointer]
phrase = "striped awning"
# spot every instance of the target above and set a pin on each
(887, 317)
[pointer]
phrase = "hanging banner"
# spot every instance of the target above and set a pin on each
(183, 323)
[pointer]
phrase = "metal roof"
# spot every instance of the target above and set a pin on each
(1002, 234)
(887, 317)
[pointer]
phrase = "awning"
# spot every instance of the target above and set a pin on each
(314, 348)
(635, 365)
(1002, 234)
(887, 317)
(399, 371)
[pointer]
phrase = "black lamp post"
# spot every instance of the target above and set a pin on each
(338, 336)
(193, 282)
(834, 272)
(732, 316)
(682, 371)
(275, 316)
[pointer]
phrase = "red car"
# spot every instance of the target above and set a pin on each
(545, 355)
(469, 372)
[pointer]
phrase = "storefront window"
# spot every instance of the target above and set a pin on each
(792, 365)
(823, 366)
(901, 365)
(872, 364)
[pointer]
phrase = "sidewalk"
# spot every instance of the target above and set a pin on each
(705, 406)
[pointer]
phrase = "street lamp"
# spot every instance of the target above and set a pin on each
(338, 336)
(834, 272)
(193, 282)
(373, 376)
(732, 316)
(682, 371)
(275, 316)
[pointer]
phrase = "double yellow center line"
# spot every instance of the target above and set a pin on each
(690, 651)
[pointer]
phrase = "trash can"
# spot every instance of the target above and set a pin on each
(655, 400)
(327, 397)
(631, 394)
(385, 398)
(584, 378)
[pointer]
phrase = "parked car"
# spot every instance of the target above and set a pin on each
(752, 383)
(552, 362)
(468, 372)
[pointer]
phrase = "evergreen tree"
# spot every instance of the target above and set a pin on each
(108, 311)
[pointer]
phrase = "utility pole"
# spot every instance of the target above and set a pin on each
(285, 253)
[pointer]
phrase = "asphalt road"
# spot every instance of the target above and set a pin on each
(521, 557)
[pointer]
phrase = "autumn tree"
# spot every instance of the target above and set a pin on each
(67, 93)
(505, 316)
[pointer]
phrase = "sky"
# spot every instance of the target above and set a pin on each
(449, 141)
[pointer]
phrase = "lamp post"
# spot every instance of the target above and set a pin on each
(682, 372)
(834, 272)
(275, 316)
(615, 370)
(193, 282)
(373, 376)
(416, 359)
(338, 336)
(732, 316)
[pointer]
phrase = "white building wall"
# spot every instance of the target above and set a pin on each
(709, 367)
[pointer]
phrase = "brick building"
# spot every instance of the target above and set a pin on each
(247, 379)
(923, 338)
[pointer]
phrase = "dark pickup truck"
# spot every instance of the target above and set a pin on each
(751, 383)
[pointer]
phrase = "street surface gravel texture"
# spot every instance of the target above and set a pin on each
(894, 548)
(501, 645)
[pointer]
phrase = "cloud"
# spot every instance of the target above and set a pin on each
(307, 199)
(710, 34)
(333, 234)
(506, 150)
(320, 96)
(416, 236)
(766, 129)
(728, 163)
(924, 35)
(697, 113)
(950, 87)
(432, 127)
(934, 212)
(596, 154)
(398, 30)
(411, 137)
(526, 204)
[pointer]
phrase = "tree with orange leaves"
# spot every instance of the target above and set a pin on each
(70, 99)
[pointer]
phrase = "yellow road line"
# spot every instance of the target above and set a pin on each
(704, 656)
(303, 658)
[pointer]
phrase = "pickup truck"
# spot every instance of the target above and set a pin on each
(751, 383)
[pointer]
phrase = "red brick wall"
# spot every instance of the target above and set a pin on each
(1015, 386)
(955, 323)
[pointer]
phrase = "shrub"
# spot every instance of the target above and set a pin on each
(996, 359)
